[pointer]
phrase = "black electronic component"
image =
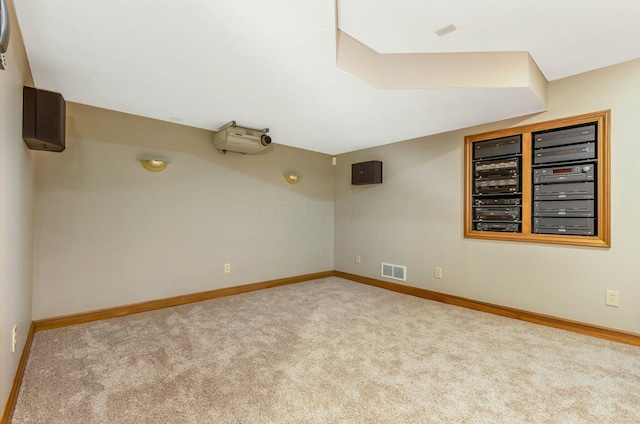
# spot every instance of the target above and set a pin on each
(496, 213)
(497, 201)
(494, 185)
(566, 226)
(564, 136)
(508, 166)
(564, 174)
(504, 227)
(504, 146)
(569, 191)
(565, 153)
(564, 208)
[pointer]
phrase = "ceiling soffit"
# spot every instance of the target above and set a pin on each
(440, 70)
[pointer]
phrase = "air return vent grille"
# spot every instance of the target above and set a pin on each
(396, 272)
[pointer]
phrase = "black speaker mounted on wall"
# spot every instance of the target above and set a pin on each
(43, 119)
(364, 173)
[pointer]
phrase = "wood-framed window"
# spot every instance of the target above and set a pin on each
(545, 183)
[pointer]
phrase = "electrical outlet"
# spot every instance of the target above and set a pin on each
(357, 259)
(227, 268)
(14, 338)
(437, 272)
(613, 298)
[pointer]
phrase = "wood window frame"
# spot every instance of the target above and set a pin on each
(603, 235)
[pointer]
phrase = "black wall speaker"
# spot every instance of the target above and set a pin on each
(43, 119)
(364, 173)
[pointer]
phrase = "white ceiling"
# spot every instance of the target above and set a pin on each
(203, 63)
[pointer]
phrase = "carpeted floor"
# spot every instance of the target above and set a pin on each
(325, 351)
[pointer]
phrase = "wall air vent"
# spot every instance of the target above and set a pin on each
(396, 272)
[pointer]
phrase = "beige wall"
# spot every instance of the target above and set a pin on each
(110, 233)
(16, 199)
(415, 218)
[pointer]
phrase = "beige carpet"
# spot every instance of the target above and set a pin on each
(325, 351)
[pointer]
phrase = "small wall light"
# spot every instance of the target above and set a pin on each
(292, 178)
(154, 164)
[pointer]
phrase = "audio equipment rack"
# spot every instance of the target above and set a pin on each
(546, 182)
(497, 197)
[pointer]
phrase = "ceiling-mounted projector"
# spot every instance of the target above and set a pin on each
(232, 138)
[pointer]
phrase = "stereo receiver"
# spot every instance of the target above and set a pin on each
(562, 174)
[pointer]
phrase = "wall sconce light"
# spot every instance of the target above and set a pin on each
(292, 178)
(154, 164)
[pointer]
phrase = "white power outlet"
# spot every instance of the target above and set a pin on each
(437, 272)
(357, 259)
(612, 298)
(14, 338)
(227, 268)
